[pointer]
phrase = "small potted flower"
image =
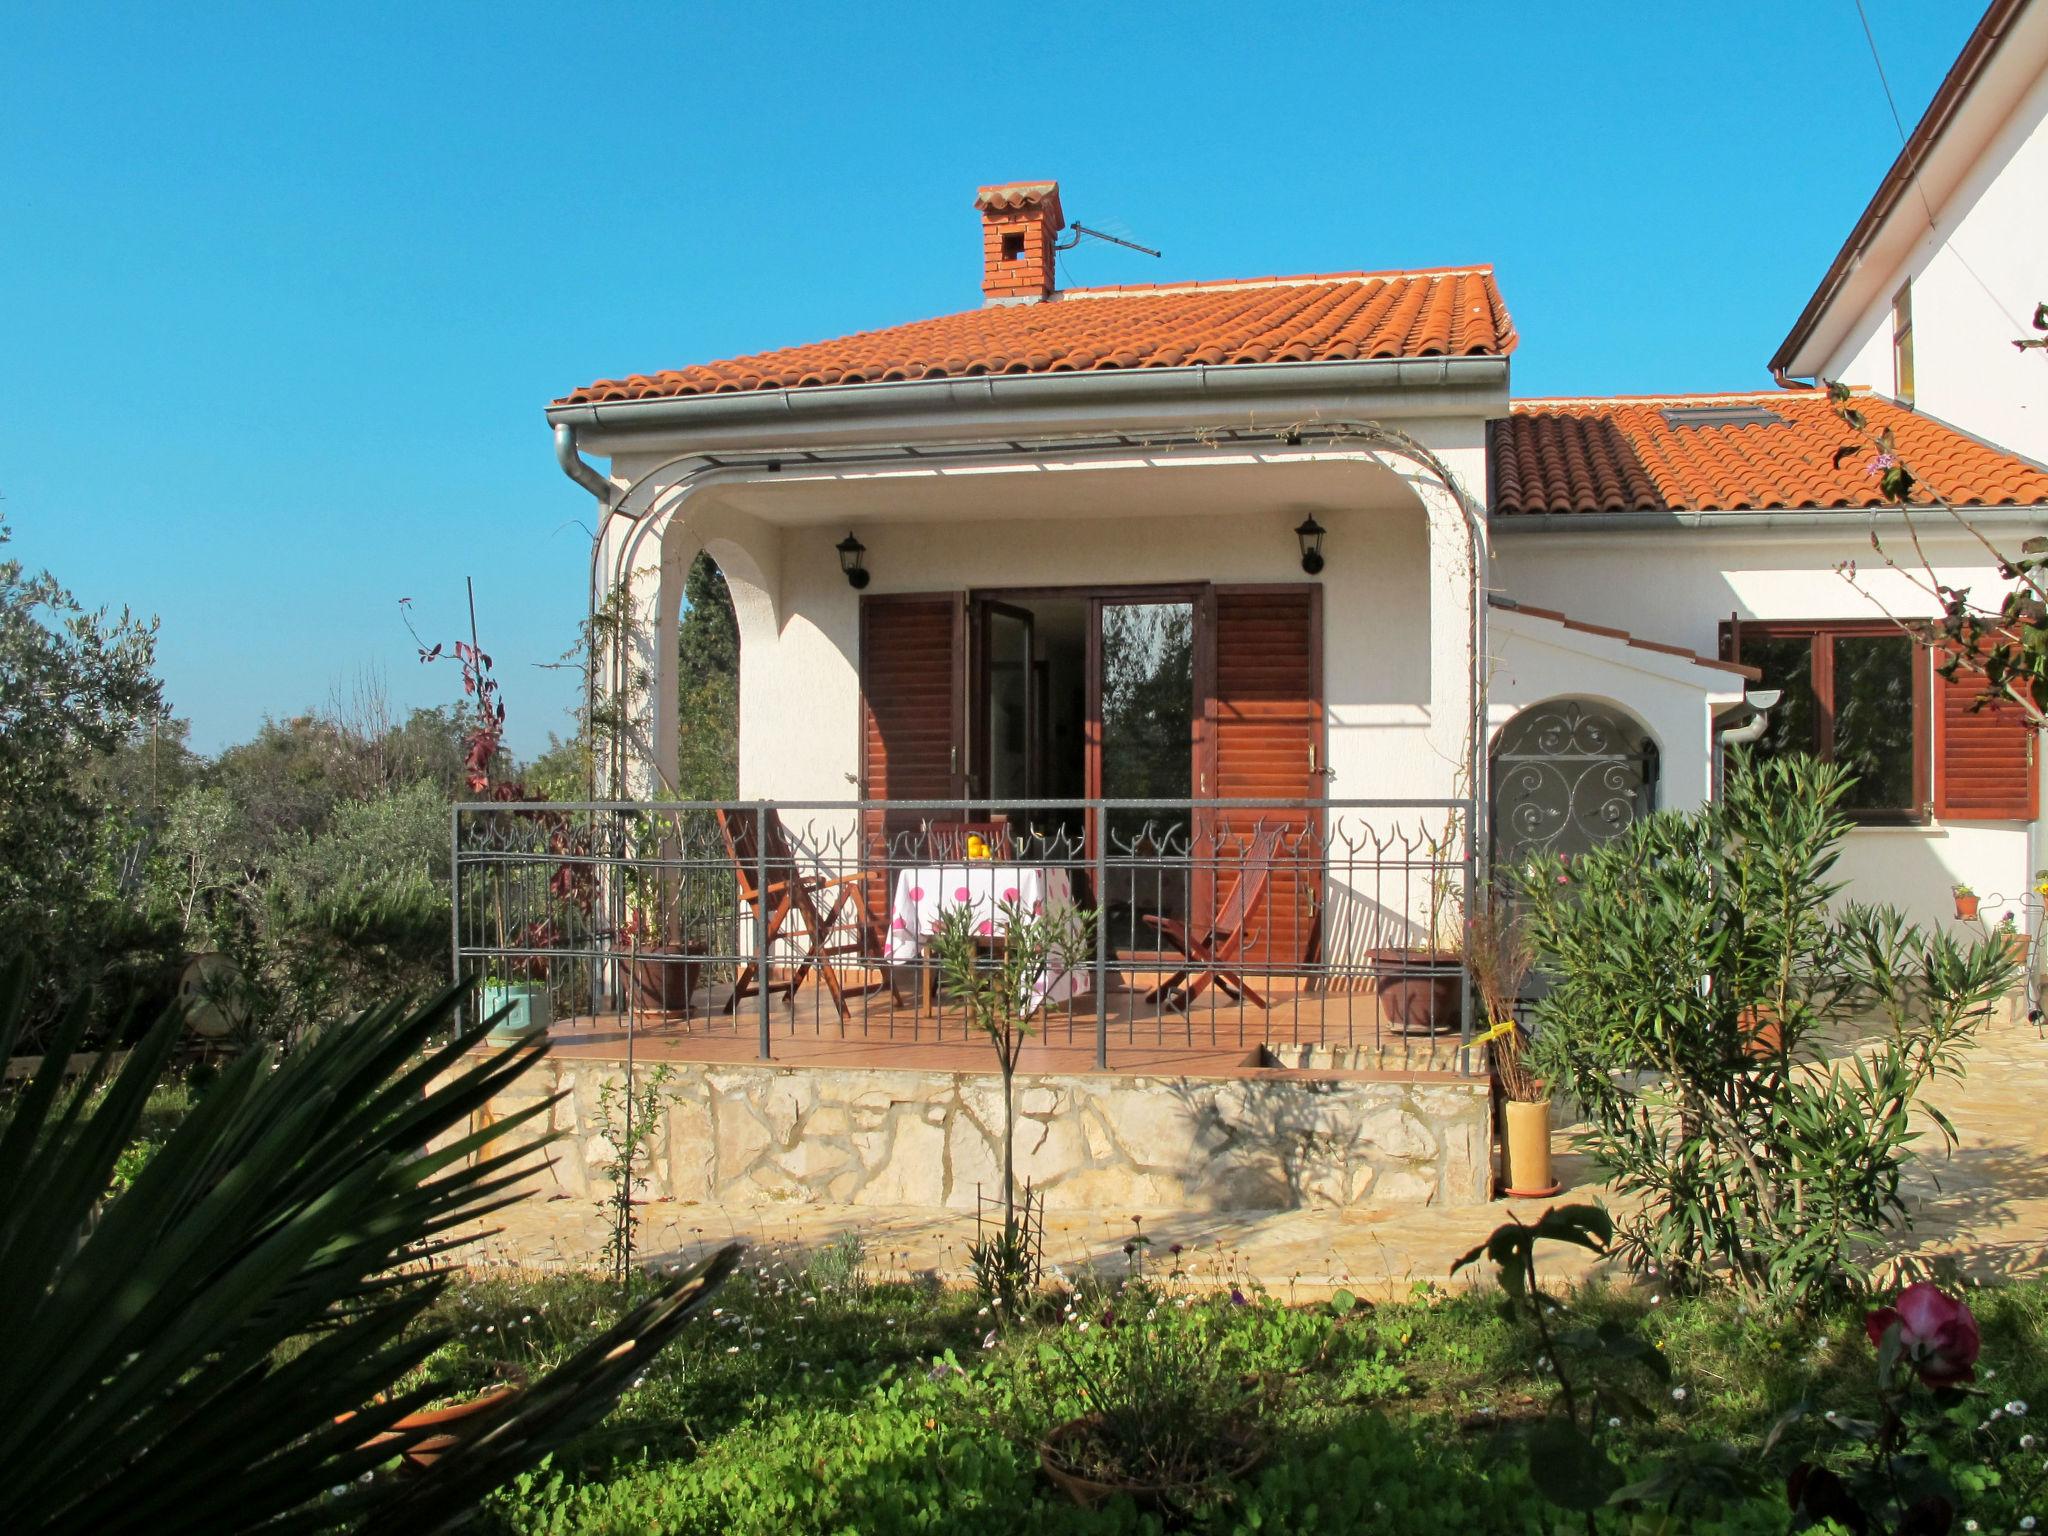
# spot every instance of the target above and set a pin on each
(1966, 902)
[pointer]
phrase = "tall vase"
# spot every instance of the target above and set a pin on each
(1528, 1150)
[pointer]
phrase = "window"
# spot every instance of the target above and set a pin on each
(1902, 343)
(1855, 693)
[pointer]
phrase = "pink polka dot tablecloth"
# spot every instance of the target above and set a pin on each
(924, 894)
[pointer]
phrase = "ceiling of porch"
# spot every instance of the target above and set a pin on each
(1130, 484)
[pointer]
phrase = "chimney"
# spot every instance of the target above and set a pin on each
(1018, 222)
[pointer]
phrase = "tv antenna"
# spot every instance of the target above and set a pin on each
(1081, 230)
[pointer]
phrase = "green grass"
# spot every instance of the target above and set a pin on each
(813, 1401)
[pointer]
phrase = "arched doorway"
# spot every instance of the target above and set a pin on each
(1568, 775)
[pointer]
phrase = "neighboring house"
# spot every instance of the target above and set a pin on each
(1942, 272)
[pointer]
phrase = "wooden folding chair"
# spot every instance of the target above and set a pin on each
(1213, 956)
(946, 841)
(789, 893)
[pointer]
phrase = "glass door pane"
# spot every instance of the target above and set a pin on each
(1010, 711)
(1146, 724)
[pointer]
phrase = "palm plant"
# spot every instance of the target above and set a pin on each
(215, 1348)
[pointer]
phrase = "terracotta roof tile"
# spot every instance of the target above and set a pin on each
(1643, 455)
(1331, 317)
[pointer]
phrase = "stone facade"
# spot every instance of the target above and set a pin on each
(1265, 1140)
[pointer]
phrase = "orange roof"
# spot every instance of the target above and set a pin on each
(1318, 318)
(1683, 453)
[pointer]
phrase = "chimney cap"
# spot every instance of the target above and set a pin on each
(1009, 196)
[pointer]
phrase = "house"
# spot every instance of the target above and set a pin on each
(1259, 617)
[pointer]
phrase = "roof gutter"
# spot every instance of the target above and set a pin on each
(1014, 405)
(1955, 88)
(1833, 519)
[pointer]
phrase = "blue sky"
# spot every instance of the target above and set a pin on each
(287, 286)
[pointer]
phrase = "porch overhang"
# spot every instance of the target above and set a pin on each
(1010, 406)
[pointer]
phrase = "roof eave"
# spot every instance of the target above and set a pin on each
(1025, 404)
(1811, 519)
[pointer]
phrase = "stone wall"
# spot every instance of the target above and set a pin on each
(1261, 1141)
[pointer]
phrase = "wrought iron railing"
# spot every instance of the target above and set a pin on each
(1316, 933)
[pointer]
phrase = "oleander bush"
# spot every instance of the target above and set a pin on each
(1751, 1058)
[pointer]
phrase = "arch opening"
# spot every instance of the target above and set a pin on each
(1567, 775)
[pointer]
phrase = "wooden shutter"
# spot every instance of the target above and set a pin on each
(1985, 761)
(913, 705)
(1269, 745)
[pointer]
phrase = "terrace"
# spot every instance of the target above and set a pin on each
(1266, 1011)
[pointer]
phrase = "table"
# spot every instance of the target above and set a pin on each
(924, 893)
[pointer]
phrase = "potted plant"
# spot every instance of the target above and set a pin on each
(514, 994)
(1171, 1412)
(665, 967)
(1966, 902)
(446, 1422)
(2014, 941)
(1421, 987)
(1498, 954)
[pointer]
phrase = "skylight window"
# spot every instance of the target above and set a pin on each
(1721, 416)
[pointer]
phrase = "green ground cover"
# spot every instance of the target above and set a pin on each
(813, 1400)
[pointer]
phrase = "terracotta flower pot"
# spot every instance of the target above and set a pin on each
(1762, 1035)
(664, 976)
(1421, 991)
(1966, 906)
(1527, 1135)
(1054, 1450)
(448, 1423)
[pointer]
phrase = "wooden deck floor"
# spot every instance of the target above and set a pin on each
(1302, 1027)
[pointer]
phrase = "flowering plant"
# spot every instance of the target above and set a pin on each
(1933, 1450)
(1934, 1334)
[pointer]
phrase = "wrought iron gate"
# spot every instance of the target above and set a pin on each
(1568, 775)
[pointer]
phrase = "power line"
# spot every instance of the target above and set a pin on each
(1913, 170)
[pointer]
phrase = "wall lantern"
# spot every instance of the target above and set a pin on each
(851, 553)
(1311, 535)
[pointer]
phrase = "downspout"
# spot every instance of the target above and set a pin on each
(577, 468)
(585, 474)
(1740, 735)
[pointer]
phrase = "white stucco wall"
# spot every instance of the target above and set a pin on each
(1533, 661)
(1396, 609)
(1678, 586)
(1977, 275)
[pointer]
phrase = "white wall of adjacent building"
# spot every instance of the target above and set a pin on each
(1678, 586)
(1976, 276)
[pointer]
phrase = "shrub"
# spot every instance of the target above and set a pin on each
(1694, 963)
(219, 1346)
